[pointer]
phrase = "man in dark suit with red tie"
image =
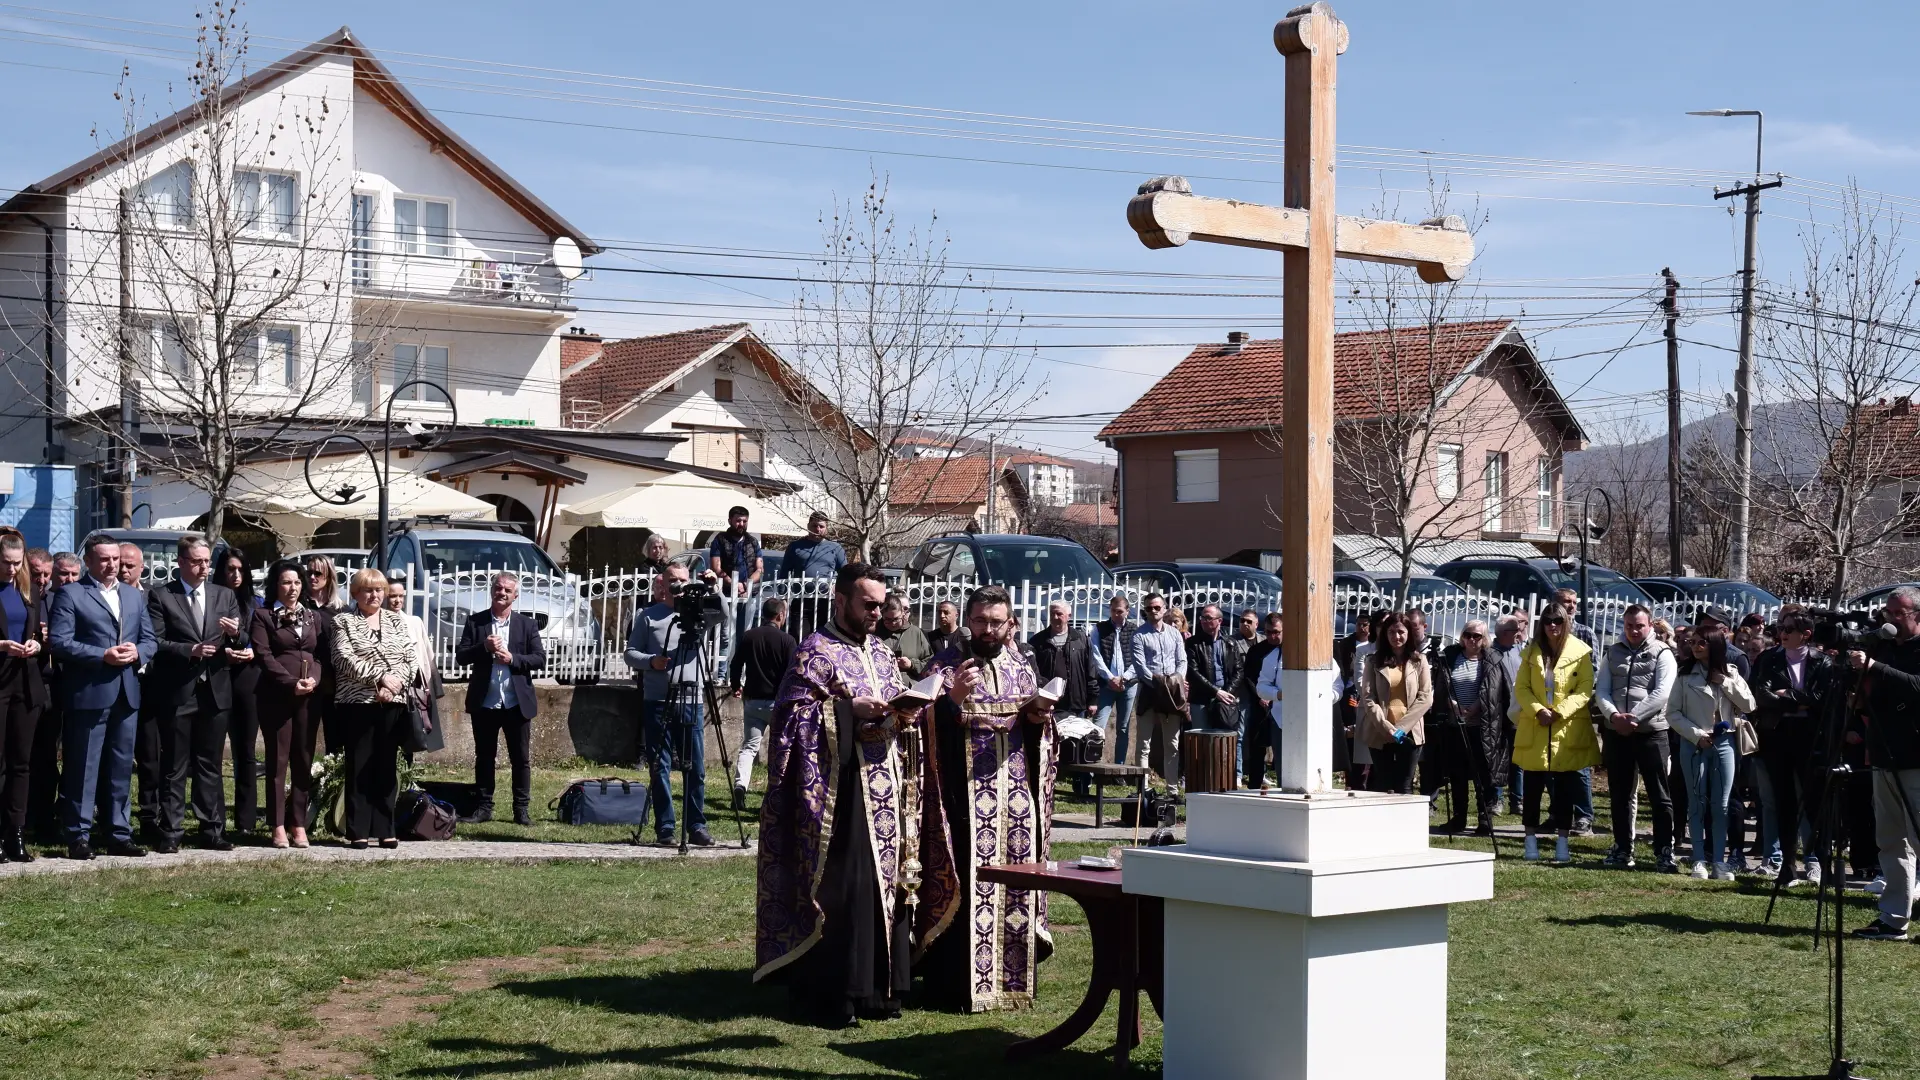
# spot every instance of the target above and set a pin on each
(190, 691)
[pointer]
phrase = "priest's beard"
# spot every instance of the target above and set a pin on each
(984, 648)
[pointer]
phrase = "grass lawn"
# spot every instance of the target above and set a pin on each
(1569, 972)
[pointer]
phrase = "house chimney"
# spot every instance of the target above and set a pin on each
(1902, 406)
(1236, 340)
(576, 346)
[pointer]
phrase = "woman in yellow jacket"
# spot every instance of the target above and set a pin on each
(1553, 733)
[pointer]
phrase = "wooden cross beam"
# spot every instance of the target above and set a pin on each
(1309, 237)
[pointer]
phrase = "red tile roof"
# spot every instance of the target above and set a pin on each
(1880, 437)
(1216, 388)
(631, 367)
(940, 482)
(1087, 513)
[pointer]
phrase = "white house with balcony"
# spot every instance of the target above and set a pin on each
(371, 245)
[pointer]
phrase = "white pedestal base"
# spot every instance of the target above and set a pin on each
(1298, 931)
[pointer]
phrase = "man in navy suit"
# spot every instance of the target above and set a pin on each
(98, 630)
(504, 648)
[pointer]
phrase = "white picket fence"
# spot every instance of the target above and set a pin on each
(584, 620)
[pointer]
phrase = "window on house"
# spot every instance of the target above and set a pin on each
(723, 389)
(362, 239)
(427, 362)
(751, 461)
(422, 226)
(166, 197)
(1543, 494)
(1494, 483)
(272, 356)
(1196, 476)
(1446, 472)
(269, 203)
(362, 361)
(159, 351)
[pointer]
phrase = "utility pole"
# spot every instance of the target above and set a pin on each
(129, 425)
(992, 487)
(1743, 376)
(1674, 560)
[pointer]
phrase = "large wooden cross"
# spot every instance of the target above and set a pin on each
(1310, 236)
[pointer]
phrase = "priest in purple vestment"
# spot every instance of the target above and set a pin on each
(845, 886)
(994, 763)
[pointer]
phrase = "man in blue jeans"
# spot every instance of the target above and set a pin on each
(668, 665)
(1110, 643)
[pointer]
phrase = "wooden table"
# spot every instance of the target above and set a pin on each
(1101, 774)
(1127, 941)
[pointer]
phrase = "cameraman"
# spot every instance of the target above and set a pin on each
(1892, 684)
(667, 662)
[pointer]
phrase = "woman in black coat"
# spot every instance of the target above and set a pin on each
(286, 640)
(243, 722)
(23, 694)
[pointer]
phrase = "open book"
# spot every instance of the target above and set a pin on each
(918, 695)
(1049, 693)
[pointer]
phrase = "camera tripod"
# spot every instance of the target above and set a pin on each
(1826, 846)
(681, 702)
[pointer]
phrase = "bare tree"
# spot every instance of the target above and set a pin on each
(217, 313)
(1840, 342)
(1632, 469)
(886, 348)
(1405, 473)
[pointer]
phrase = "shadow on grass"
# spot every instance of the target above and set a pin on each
(1688, 924)
(512, 1058)
(979, 1051)
(700, 994)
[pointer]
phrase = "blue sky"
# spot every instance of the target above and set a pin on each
(1517, 84)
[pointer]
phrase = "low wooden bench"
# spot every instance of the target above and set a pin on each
(1102, 774)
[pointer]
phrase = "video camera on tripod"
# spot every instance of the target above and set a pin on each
(1845, 630)
(695, 604)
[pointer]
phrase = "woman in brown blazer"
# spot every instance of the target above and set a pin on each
(286, 643)
(1395, 693)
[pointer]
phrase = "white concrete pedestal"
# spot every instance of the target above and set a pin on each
(1306, 936)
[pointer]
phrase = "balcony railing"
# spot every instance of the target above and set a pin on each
(464, 274)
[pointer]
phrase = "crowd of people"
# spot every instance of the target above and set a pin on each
(120, 701)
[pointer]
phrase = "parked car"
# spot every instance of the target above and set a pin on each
(1262, 588)
(1518, 578)
(1008, 559)
(1691, 593)
(452, 563)
(160, 547)
(1873, 599)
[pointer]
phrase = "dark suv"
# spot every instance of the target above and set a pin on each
(1004, 559)
(1517, 578)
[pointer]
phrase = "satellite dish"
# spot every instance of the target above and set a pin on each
(566, 258)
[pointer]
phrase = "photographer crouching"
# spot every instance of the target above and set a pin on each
(667, 663)
(1891, 673)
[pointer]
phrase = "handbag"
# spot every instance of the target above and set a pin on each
(423, 817)
(609, 800)
(1745, 736)
(423, 735)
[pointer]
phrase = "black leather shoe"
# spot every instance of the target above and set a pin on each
(80, 849)
(126, 849)
(521, 817)
(739, 799)
(166, 846)
(215, 840)
(485, 813)
(14, 849)
(700, 838)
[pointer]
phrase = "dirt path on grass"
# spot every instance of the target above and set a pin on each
(358, 1014)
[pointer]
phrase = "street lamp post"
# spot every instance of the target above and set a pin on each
(1743, 376)
(382, 463)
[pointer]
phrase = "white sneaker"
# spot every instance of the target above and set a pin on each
(1723, 872)
(1877, 886)
(1531, 851)
(1813, 871)
(1700, 871)
(1560, 853)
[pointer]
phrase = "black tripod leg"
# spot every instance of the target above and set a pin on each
(726, 758)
